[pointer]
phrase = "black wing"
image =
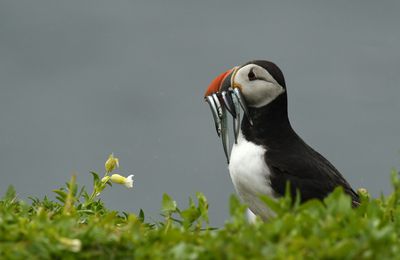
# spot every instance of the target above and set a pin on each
(308, 171)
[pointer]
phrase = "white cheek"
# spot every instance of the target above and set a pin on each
(262, 94)
(257, 93)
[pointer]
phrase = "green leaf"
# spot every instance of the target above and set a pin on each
(141, 215)
(190, 215)
(96, 178)
(273, 204)
(62, 195)
(10, 193)
(236, 208)
(394, 174)
(203, 206)
(168, 204)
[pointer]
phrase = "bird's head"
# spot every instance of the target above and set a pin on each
(255, 84)
(259, 82)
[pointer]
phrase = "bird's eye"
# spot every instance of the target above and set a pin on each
(251, 75)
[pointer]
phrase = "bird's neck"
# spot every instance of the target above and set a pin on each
(271, 126)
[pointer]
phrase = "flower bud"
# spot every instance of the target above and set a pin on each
(363, 193)
(111, 164)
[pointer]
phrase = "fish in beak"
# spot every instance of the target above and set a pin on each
(224, 96)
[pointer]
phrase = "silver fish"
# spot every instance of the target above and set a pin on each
(242, 103)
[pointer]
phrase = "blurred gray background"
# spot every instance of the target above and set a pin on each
(82, 79)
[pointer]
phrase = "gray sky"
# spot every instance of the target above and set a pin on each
(82, 79)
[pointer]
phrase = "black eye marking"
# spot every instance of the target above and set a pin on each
(251, 75)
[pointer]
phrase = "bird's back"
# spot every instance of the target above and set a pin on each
(306, 170)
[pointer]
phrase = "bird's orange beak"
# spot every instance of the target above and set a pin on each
(215, 85)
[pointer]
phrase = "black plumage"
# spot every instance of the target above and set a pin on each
(287, 156)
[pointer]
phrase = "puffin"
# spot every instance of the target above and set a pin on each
(267, 153)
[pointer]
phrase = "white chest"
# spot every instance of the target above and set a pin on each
(250, 175)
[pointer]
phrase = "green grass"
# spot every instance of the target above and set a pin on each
(78, 225)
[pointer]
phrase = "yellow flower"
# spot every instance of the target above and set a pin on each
(126, 181)
(112, 163)
(74, 245)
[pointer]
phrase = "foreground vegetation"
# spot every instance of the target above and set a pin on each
(78, 225)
